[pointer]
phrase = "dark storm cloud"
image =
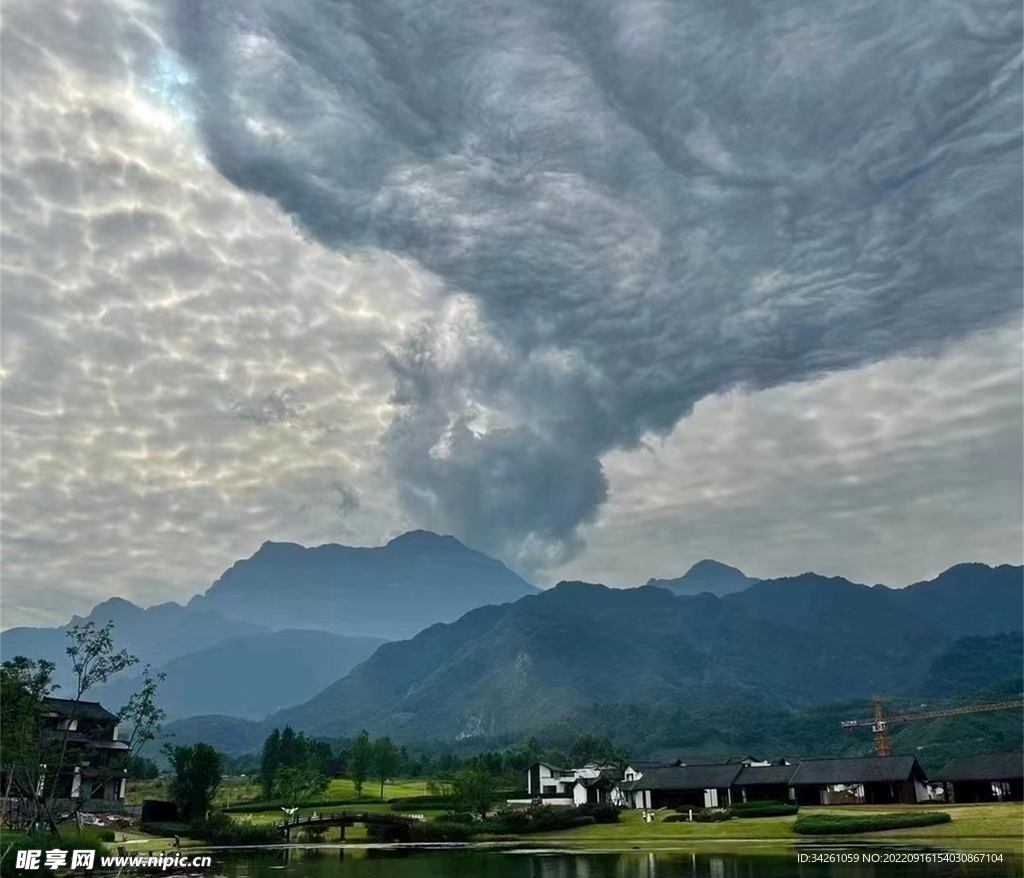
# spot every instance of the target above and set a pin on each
(646, 202)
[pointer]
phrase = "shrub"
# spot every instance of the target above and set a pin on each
(274, 804)
(602, 813)
(495, 827)
(712, 815)
(418, 803)
(514, 820)
(462, 817)
(776, 809)
(848, 824)
(216, 831)
(757, 805)
(88, 839)
(543, 819)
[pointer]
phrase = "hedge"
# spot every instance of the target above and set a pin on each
(775, 810)
(757, 804)
(543, 819)
(601, 812)
(700, 815)
(848, 824)
(275, 804)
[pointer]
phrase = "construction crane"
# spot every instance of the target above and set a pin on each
(880, 724)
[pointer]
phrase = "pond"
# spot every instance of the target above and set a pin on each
(849, 862)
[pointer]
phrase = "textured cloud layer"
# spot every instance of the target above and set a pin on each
(888, 473)
(638, 204)
(183, 375)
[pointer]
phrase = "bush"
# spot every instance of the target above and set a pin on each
(417, 803)
(777, 811)
(712, 815)
(772, 809)
(515, 820)
(222, 830)
(848, 824)
(757, 805)
(462, 817)
(89, 838)
(602, 813)
(495, 827)
(274, 804)
(542, 819)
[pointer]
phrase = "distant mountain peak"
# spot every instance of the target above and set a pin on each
(421, 536)
(707, 576)
(709, 566)
(392, 591)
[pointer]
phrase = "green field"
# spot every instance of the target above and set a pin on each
(999, 826)
(231, 791)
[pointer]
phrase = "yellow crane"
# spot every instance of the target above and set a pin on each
(880, 723)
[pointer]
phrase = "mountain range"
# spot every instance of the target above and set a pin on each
(424, 638)
(803, 640)
(392, 591)
(276, 628)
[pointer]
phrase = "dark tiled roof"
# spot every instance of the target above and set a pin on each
(90, 710)
(989, 766)
(865, 769)
(547, 765)
(646, 764)
(686, 777)
(605, 783)
(753, 775)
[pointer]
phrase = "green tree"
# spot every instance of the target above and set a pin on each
(270, 762)
(440, 785)
(197, 774)
(360, 760)
(42, 750)
(142, 768)
(474, 790)
(385, 760)
(287, 752)
(141, 714)
(590, 748)
(297, 785)
(25, 745)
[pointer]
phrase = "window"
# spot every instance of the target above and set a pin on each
(547, 790)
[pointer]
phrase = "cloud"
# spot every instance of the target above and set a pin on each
(888, 473)
(639, 204)
(476, 267)
(184, 377)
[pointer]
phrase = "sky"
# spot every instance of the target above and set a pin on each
(602, 289)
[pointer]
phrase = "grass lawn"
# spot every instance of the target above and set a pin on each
(992, 827)
(343, 788)
(230, 792)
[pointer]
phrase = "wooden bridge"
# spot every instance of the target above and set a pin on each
(397, 827)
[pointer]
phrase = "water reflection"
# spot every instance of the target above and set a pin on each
(411, 863)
